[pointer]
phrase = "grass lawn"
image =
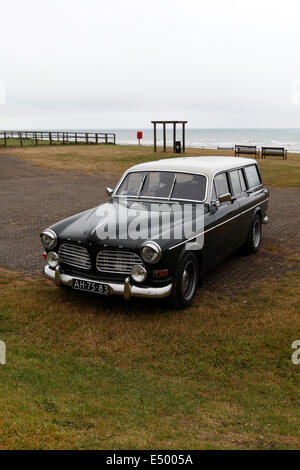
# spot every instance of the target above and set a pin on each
(115, 159)
(89, 372)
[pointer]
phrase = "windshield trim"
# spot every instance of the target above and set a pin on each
(169, 198)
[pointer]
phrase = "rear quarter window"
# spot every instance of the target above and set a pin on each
(252, 176)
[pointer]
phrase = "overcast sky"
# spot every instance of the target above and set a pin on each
(121, 63)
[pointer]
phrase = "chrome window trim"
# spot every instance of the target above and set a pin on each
(162, 198)
(218, 225)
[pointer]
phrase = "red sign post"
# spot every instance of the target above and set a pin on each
(139, 136)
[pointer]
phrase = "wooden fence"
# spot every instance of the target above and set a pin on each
(54, 137)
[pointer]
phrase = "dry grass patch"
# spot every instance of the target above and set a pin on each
(114, 159)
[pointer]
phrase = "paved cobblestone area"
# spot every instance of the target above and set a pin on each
(33, 198)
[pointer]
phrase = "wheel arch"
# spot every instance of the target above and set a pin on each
(197, 253)
(258, 211)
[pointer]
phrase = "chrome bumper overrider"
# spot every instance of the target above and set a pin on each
(126, 289)
(265, 220)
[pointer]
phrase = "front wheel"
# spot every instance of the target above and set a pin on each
(185, 282)
(254, 236)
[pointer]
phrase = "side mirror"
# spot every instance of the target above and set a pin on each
(225, 197)
(109, 191)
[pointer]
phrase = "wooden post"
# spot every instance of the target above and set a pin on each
(174, 137)
(76, 142)
(154, 129)
(96, 135)
(20, 137)
(50, 138)
(86, 138)
(164, 137)
(183, 137)
(114, 139)
(63, 137)
(36, 139)
(106, 138)
(5, 139)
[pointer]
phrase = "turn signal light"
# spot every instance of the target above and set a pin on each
(160, 273)
(44, 255)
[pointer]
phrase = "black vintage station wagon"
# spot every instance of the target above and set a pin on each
(164, 226)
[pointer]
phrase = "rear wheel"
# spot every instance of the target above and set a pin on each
(186, 281)
(254, 236)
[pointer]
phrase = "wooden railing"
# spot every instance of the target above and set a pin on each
(11, 138)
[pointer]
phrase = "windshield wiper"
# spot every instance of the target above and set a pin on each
(172, 187)
(141, 186)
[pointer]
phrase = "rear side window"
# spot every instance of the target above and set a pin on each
(252, 176)
(221, 183)
(235, 182)
(242, 180)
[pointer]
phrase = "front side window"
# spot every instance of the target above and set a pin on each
(189, 187)
(252, 176)
(221, 183)
(164, 184)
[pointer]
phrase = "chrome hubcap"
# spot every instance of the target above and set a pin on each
(185, 280)
(256, 233)
(188, 281)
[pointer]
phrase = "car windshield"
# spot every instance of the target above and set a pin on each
(163, 185)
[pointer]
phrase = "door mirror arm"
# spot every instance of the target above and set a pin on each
(109, 192)
(213, 207)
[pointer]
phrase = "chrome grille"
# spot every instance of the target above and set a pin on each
(74, 255)
(117, 261)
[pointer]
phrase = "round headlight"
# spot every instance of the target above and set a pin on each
(49, 239)
(138, 273)
(151, 252)
(52, 259)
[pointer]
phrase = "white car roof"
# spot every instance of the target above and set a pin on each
(205, 165)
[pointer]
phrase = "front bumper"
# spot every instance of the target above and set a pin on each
(126, 289)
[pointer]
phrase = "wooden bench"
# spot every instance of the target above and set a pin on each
(245, 150)
(274, 152)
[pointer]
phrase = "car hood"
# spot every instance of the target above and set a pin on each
(126, 223)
